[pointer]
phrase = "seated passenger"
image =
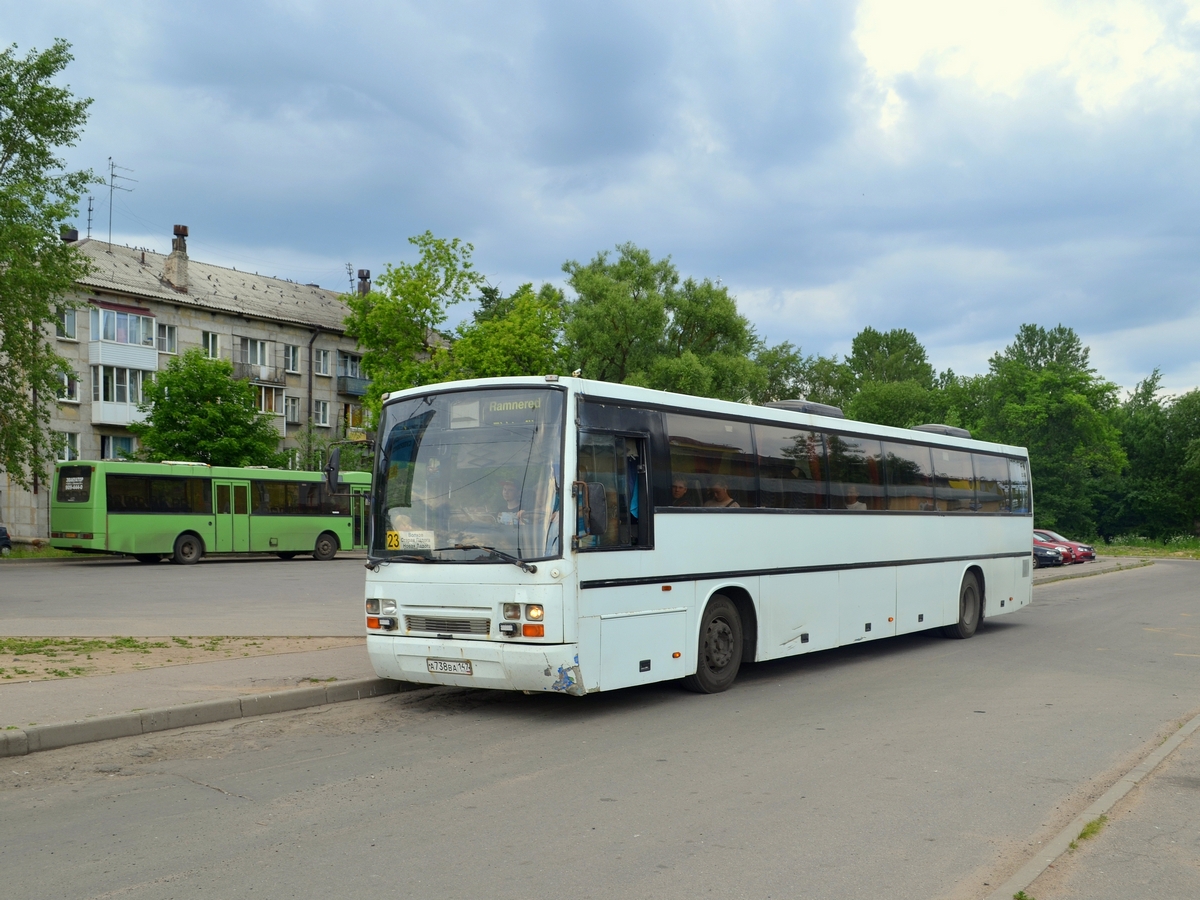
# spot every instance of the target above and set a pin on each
(679, 493)
(509, 512)
(719, 495)
(852, 501)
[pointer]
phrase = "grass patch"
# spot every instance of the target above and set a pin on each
(28, 551)
(1090, 830)
(51, 647)
(1021, 895)
(1180, 546)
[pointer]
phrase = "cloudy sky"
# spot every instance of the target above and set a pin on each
(955, 168)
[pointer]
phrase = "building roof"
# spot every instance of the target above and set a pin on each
(139, 273)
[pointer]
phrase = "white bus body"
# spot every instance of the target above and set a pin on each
(837, 537)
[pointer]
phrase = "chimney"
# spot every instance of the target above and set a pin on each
(364, 282)
(70, 235)
(175, 269)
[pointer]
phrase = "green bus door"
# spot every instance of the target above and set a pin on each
(231, 501)
(358, 509)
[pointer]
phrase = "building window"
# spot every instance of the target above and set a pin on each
(291, 406)
(113, 384)
(291, 357)
(122, 328)
(321, 412)
(269, 399)
(115, 447)
(65, 326)
(321, 362)
(70, 448)
(352, 415)
(252, 352)
(349, 364)
(211, 342)
(69, 392)
(166, 339)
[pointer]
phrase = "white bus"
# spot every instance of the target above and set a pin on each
(556, 534)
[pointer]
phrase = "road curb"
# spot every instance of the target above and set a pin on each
(22, 741)
(1061, 842)
(1141, 563)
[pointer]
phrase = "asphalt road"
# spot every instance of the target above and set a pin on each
(915, 767)
(117, 596)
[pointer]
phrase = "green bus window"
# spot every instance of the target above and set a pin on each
(222, 499)
(240, 504)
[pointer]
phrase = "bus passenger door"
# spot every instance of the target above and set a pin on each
(231, 505)
(358, 510)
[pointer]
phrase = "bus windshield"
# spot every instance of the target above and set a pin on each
(470, 476)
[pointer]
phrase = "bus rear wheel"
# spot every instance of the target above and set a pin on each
(188, 550)
(326, 547)
(970, 609)
(147, 558)
(720, 650)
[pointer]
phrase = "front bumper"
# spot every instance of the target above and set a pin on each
(553, 668)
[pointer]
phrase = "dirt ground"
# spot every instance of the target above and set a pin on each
(47, 659)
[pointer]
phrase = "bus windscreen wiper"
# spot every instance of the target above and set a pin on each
(499, 554)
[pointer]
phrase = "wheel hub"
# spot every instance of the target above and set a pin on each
(718, 644)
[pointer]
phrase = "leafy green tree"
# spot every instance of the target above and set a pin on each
(783, 373)
(314, 444)
(199, 413)
(397, 323)
(1042, 393)
(889, 357)
(898, 403)
(517, 335)
(37, 198)
(615, 324)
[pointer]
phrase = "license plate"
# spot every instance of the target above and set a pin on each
(449, 666)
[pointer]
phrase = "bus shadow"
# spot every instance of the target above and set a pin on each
(561, 708)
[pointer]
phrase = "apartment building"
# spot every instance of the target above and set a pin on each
(141, 308)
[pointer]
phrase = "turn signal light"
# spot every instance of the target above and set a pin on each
(533, 630)
(372, 621)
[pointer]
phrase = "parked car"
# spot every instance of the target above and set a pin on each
(1045, 555)
(5, 540)
(1080, 552)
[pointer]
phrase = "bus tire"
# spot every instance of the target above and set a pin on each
(287, 554)
(970, 609)
(188, 549)
(326, 546)
(719, 654)
(147, 558)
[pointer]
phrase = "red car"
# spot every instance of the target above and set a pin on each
(1066, 557)
(1079, 552)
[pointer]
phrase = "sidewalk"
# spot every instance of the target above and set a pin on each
(1101, 566)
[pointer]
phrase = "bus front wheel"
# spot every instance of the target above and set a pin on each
(326, 547)
(188, 550)
(970, 608)
(720, 650)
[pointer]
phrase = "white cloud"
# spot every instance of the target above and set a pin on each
(1105, 50)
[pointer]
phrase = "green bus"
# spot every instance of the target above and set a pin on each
(187, 510)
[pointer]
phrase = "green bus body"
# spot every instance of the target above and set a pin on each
(141, 509)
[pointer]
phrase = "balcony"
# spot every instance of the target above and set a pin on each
(352, 385)
(107, 413)
(259, 374)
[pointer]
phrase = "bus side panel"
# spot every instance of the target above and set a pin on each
(1000, 583)
(641, 649)
(156, 533)
(925, 595)
(800, 614)
(866, 604)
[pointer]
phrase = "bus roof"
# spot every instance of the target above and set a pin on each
(686, 403)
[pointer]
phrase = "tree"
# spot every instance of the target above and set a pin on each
(516, 335)
(615, 324)
(1041, 393)
(199, 413)
(397, 323)
(889, 357)
(37, 198)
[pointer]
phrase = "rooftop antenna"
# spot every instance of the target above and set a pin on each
(350, 276)
(112, 186)
(90, 198)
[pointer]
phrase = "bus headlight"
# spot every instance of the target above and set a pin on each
(534, 612)
(512, 610)
(373, 607)
(388, 607)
